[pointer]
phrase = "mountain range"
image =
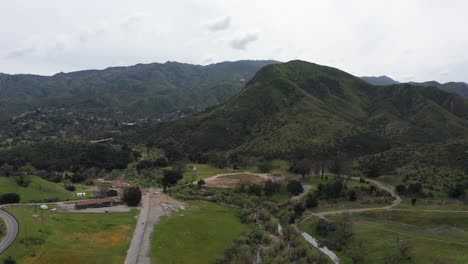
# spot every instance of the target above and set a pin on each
(299, 108)
(143, 89)
(460, 88)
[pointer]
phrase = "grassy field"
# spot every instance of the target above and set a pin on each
(71, 237)
(197, 235)
(38, 189)
(203, 171)
(433, 236)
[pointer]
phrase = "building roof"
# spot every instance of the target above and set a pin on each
(94, 201)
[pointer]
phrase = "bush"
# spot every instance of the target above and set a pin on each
(400, 189)
(311, 201)
(132, 196)
(75, 178)
(415, 188)
(352, 196)
(161, 162)
(264, 166)
(295, 187)
(21, 181)
(71, 188)
(456, 191)
(171, 177)
(9, 198)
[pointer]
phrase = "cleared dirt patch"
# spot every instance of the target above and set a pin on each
(230, 181)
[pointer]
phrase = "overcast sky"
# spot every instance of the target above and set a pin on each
(415, 40)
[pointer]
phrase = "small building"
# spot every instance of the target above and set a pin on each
(94, 203)
(276, 174)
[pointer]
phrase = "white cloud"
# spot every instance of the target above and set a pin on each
(219, 24)
(366, 37)
(242, 41)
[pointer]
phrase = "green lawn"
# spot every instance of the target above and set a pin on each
(433, 236)
(71, 237)
(196, 235)
(38, 189)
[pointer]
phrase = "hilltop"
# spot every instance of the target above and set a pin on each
(300, 108)
(142, 89)
(460, 88)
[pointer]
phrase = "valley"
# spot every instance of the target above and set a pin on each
(376, 174)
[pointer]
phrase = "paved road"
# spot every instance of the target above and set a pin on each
(151, 210)
(12, 230)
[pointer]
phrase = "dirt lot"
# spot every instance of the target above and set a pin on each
(233, 179)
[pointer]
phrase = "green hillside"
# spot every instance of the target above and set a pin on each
(141, 89)
(37, 190)
(300, 108)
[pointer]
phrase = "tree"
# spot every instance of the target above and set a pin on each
(356, 251)
(28, 169)
(271, 187)
(265, 166)
(303, 167)
(299, 209)
(311, 200)
(6, 169)
(179, 166)
(295, 187)
(9, 198)
(70, 188)
(415, 188)
(132, 196)
(456, 191)
(171, 177)
(400, 189)
(21, 181)
(201, 183)
(161, 162)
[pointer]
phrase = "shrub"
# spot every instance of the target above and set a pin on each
(132, 196)
(9, 198)
(311, 201)
(352, 195)
(295, 187)
(21, 181)
(71, 188)
(400, 189)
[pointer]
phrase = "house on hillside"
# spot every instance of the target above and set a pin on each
(94, 203)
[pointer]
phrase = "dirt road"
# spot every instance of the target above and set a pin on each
(154, 204)
(313, 241)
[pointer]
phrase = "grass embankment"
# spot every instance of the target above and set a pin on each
(196, 235)
(432, 236)
(2, 229)
(38, 189)
(71, 237)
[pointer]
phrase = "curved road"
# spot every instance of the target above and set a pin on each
(12, 229)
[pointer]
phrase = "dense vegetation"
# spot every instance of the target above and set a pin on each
(65, 155)
(142, 89)
(299, 109)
